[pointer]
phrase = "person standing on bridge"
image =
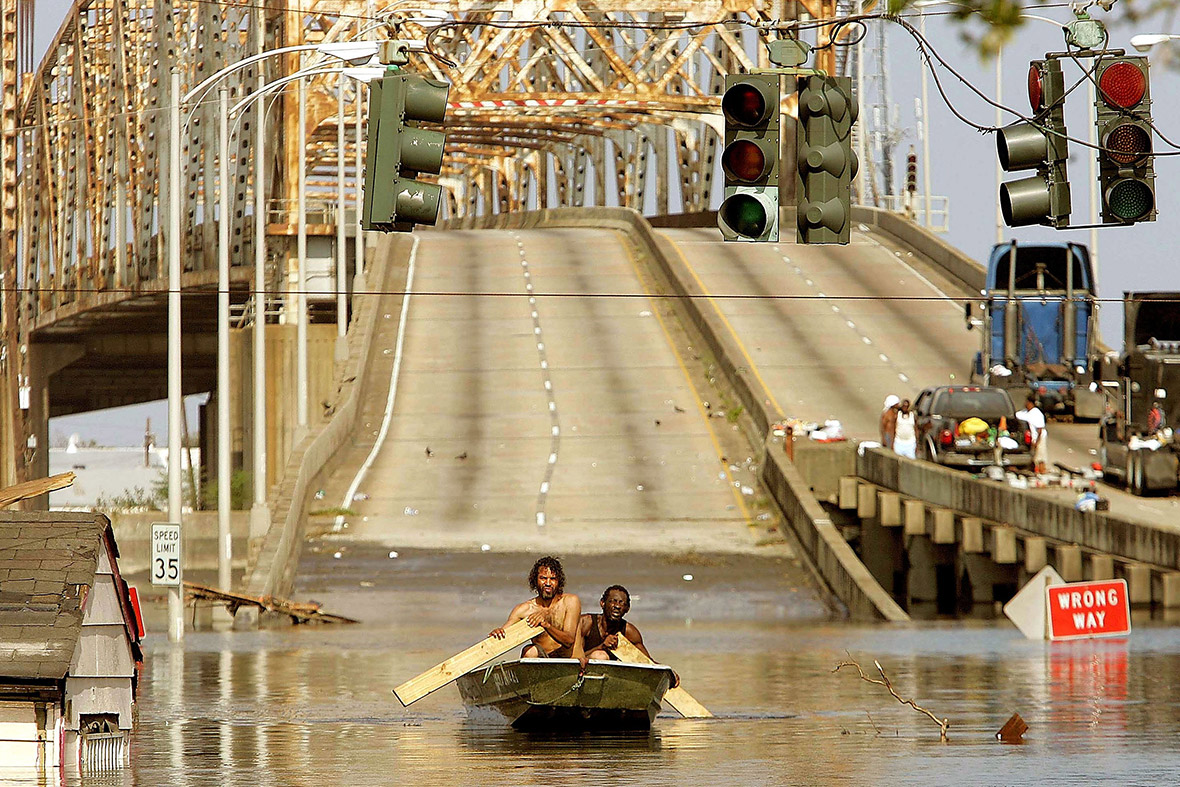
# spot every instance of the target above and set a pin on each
(889, 420)
(905, 435)
(1032, 415)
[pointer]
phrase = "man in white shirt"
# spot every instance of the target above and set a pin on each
(1032, 415)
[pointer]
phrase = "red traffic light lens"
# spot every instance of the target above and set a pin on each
(744, 105)
(1036, 92)
(1122, 85)
(1127, 144)
(744, 161)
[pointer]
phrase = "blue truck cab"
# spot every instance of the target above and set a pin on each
(1040, 323)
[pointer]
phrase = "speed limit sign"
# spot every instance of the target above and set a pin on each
(165, 568)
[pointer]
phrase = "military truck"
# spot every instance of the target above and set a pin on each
(1040, 322)
(1137, 447)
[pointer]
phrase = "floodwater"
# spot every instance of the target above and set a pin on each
(313, 705)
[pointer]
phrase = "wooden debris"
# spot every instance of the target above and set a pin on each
(460, 664)
(299, 613)
(684, 703)
(943, 724)
(39, 486)
(1013, 730)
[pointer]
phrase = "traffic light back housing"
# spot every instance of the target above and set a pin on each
(1040, 145)
(396, 151)
(825, 162)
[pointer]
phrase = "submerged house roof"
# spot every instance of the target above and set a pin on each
(48, 563)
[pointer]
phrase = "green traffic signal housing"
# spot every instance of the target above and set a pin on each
(1126, 174)
(397, 151)
(826, 163)
(750, 159)
(1040, 145)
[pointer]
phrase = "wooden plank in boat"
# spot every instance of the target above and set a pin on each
(683, 702)
(440, 675)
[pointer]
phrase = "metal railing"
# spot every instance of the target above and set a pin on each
(914, 208)
(319, 211)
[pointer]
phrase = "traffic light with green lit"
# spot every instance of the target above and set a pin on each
(398, 150)
(750, 160)
(826, 162)
(1126, 175)
(1040, 145)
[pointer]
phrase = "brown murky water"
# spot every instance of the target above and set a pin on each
(313, 706)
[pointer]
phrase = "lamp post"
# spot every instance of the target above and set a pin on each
(350, 51)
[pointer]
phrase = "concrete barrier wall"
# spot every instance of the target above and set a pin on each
(273, 573)
(837, 564)
(959, 266)
(133, 534)
(1139, 541)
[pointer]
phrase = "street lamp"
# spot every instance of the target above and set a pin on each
(354, 51)
(1146, 41)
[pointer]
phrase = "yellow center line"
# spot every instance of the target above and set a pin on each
(753, 367)
(737, 494)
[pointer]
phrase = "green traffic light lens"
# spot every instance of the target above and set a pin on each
(1130, 200)
(745, 215)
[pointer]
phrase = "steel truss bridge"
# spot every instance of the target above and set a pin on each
(553, 103)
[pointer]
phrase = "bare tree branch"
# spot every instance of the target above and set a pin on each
(943, 724)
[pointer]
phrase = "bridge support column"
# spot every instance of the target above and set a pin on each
(1168, 590)
(866, 501)
(972, 539)
(44, 361)
(849, 486)
(1069, 562)
(1138, 578)
(915, 518)
(1101, 567)
(889, 508)
(1036, 554)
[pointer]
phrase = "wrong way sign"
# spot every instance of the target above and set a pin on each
(1088, 609)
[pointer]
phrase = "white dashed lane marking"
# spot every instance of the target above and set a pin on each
(547, 382)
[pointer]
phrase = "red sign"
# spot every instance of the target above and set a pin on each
(1088, 609)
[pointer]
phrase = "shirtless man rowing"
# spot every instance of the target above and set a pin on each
(600, 633)
(554, 610)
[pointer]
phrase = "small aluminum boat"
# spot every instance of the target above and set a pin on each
(548, 693)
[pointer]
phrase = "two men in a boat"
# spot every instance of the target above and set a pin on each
(554, 610)
(600, 633)
(567, 632)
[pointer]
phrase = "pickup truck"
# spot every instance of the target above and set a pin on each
(941, 413)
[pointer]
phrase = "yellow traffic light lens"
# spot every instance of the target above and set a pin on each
(1127, 144)
(744, 105)
(745, 215)
(744, 161)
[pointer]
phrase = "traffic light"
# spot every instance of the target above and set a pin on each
(750, 160)
(911, 172)
(825, 161)
(1123, 116)
(397, 151)
(1040, 145)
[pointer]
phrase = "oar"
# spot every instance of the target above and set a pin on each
(460, 664)
(684, 703)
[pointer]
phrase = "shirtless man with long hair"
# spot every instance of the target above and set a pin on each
(554, 610)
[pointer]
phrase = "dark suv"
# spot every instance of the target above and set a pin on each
(940, 412)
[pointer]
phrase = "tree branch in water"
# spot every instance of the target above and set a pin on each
(943, 724)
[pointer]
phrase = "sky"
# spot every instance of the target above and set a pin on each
(963, 168)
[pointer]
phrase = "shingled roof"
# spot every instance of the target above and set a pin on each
(47, 566)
